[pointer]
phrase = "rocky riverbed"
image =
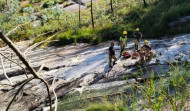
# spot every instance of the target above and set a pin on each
(83, 67)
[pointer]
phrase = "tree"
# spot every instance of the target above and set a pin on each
(79, 16)
(80, 3)
(145, 4)
(111, 5)
(92, 15)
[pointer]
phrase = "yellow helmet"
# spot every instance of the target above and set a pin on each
(137, 29)
(146, 41)
(124, 32)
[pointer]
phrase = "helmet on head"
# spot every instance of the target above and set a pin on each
(137, 29)
(124, 32)
(146, 41)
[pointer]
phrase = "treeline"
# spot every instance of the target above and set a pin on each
(102, 20)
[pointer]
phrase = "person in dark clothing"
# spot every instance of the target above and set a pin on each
(112, 54)
(137, 36)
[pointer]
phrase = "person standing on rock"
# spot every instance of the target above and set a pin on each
(122, 42)
(137, 36)
(112, 54)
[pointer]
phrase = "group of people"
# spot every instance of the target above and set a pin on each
(144, 52)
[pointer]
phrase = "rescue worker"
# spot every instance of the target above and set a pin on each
(112, 54)
(146, 46)
(137, 36)
(147, 50)
(122, 42)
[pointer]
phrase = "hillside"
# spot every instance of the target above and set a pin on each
(42, 19)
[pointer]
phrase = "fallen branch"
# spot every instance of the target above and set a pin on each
(9, 52)
(46, 84)
(42, 34)
(11, 31)
(19, 54)
(16, 64)
(42, 66)
(53, 89)
(37, 44)
(11, 59)
(18, 92)
(27, 64)
(4, 71)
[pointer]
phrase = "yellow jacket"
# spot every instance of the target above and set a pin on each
(123, 40)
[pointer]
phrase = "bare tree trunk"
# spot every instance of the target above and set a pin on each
(145, 4)
(92, 15)
(111, 5)
(79, 16)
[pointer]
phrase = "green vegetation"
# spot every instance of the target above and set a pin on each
(107, 106)
(155, 22)
(152, 20)
(170, 93)
(163, 93)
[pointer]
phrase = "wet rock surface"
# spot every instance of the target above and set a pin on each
(84, 68)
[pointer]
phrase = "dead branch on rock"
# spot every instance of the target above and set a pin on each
(53, 89)
(42, 66)
(4, 71)
(18, 92)
(15, 63)
(29, 67)
(46, 84)
(56, 101)
(39, 43)
(11, 59)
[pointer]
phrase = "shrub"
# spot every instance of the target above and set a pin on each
(37, 1)
(155, 22)
(28, 10)
(48, 4)
(29, 5)
(97, 41)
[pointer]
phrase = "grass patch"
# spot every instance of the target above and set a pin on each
(171, 93)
